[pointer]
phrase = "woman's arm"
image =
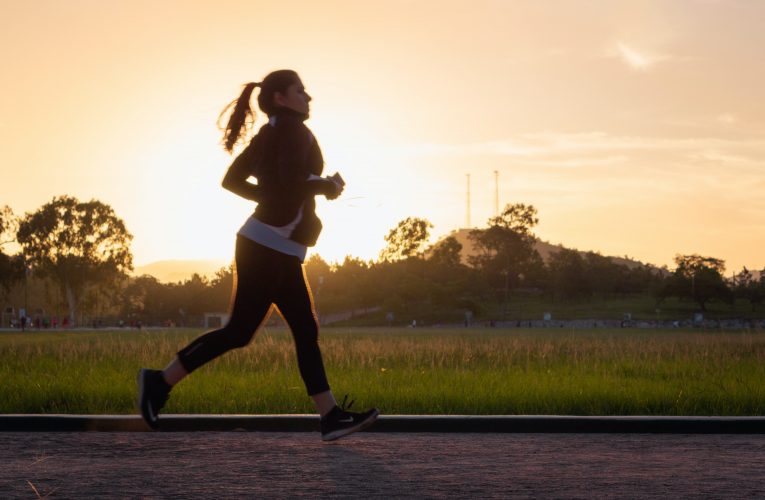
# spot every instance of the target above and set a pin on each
(237, 174)
(293, 144)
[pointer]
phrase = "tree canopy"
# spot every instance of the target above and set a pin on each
(77, 244)
(517, 217)
(11, 266)
(506, 248)
(8, 226)
(407, 239)
(447, 252)
(746, 287)
(699, 279)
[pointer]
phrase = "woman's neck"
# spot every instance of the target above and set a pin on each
(284, 111)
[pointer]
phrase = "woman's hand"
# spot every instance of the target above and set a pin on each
(339, 186)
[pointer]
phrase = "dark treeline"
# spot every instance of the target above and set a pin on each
(436, 283)
(74, 258)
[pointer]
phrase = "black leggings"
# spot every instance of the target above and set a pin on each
(265, 277)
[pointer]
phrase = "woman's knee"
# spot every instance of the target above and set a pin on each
(239, 335)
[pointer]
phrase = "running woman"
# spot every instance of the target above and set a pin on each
(286, 160)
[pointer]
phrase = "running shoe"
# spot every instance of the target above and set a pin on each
(340, 422)
(153, 392)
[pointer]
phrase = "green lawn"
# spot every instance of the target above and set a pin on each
(403, 371)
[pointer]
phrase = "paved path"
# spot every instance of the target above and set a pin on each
(281, 465)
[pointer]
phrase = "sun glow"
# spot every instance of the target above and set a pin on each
(119, 102)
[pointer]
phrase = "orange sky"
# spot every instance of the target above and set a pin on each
(635, 128)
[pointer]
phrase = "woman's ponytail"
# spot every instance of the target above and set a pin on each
(241, 118)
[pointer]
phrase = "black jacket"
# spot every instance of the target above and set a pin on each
(281, 157)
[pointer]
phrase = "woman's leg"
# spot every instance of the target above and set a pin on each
(253, 296)
(255, 280)
(324, 402)
(174, 372)
(296, 305)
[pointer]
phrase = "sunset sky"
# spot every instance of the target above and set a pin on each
(636, 128)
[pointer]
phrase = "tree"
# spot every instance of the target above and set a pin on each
(699, 279)
(136, 299)
(77, 244)
(447, 277)
(746, 287)
(568, 274)
(508, 237)
(221, 287)
(8, 226)
(446, 253)
(406, 239)
(194, 294)
(11, 270)
(518, 218)
(11, 266)
(644, 278)
(350, 283)
(506, 248)
(317, 270)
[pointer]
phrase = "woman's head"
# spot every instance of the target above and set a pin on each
(281, 88)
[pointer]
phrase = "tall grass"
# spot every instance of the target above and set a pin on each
(593, 372)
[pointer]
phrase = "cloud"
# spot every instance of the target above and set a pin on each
(727, 118)
(498, 148)
(541, 144)
(602, 141)
(637, 59)
(581, 161)
(729, 159)
(678, 158)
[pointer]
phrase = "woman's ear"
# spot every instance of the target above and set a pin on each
(279, 99)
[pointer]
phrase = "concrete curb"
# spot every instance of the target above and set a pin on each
(391, 423)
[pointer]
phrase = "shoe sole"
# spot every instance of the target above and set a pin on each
(145, 414)
(350, 430)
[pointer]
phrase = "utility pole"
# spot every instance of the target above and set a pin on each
(468, 200)
(26, 306)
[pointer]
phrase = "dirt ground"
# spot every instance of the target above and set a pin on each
(378, 465)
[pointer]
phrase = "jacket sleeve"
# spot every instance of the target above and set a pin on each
(293, 143)
(239, 171)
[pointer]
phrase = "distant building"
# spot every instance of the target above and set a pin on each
(215, 320)
(8, 319)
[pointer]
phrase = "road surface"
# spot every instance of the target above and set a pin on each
(379, 465)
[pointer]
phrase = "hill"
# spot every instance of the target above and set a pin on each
(171, 271)
(545, 249)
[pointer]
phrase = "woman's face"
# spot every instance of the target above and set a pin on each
(294, 98)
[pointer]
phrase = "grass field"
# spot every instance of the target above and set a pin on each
(403, 371)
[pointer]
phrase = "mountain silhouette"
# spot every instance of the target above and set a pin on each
(171, 271)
